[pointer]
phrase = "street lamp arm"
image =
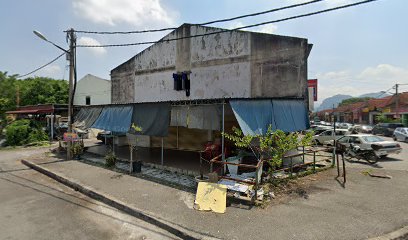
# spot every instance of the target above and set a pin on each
(40, 35)
(58, 46)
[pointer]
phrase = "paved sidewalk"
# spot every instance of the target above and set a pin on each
(367, 207)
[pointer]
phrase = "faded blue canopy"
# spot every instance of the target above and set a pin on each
(115, 119)
(255, 116)
(86, 117)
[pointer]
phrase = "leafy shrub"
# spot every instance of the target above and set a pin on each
(272, 146)
(110, 159)
(23, 132)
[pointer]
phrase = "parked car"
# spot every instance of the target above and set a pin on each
(327, 137)
(317, 129)
(362, 128)
(401, 134)
(380, 146)
(386, 129)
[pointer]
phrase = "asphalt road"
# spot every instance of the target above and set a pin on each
(33, 206)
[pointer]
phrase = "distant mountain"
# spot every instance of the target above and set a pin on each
(328, 102)
(336, 99)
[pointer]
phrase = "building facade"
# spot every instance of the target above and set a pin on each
(223, 64)
(92, 90)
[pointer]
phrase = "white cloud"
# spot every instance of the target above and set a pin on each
(384, 72)
(91, 41)
(371, 79)
(52, 71)
(270, 28)
(235, 25)
(135, 12)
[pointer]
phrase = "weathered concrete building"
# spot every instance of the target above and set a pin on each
(184, 91)
(224, 64)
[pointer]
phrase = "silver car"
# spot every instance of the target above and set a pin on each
(327, 136)
(400, 134)
(380, 146)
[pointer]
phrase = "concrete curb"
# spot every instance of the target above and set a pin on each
(399, 234)
(109, 200)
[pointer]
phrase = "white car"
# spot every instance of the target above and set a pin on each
(380, 146)
(400, 134)
(327, 136)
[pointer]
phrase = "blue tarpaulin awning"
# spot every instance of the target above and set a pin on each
(115, 119)
(86, 117)
(255, 116)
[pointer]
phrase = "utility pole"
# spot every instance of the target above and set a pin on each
(72, 42)
(396, 102)
(71, 57)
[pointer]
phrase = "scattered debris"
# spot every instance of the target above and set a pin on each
(302, 193)
(379, 176)
(369, 173)
(116, 176)
(272, 195)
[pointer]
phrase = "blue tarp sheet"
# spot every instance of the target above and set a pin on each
(115, 119)
(255, 116)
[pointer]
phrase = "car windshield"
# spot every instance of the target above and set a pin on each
(372, 139)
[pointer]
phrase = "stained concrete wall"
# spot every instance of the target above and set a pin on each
(233, 64)
(278, 66)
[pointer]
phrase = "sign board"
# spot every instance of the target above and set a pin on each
(71, 137)
(312, 83)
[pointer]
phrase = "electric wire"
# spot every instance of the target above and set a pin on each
(43, 66)
(234, 29)
(202, 24)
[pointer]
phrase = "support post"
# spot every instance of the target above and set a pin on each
(72, 42)
(52, 127)
(222, 135)
(131, 159)
(344, 169)
(314, 161)
(162, 152)
(334, 138)
(291, 166)
(396, 102)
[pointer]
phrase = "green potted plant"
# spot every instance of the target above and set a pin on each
(135, 166)
(77, 149)
(110, 159)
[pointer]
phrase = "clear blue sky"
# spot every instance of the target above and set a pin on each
(358, 50)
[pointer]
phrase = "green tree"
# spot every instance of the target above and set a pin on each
(354, 100)
(32, 91)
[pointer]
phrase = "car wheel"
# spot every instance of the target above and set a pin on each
(406, 139)
(394, 138)
(316, 142)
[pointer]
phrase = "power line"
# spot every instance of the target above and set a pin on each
(205, 23)
(43, 66)
(234, 29)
